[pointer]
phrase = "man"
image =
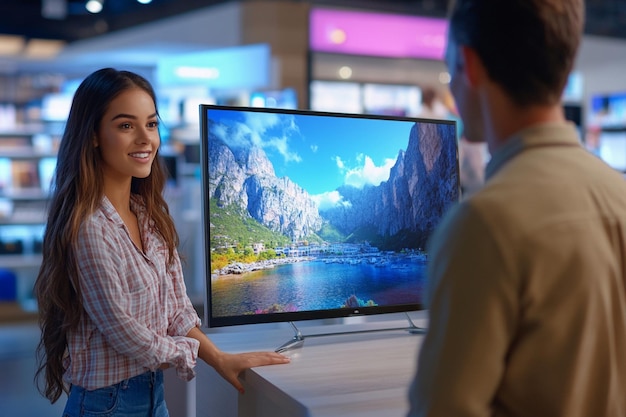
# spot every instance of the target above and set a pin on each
(527, 277)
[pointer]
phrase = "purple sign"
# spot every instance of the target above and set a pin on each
(377, 34)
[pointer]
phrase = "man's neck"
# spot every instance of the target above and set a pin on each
(507, 123)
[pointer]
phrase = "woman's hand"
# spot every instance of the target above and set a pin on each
(229, 365)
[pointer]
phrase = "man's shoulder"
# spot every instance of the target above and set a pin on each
(492, 211)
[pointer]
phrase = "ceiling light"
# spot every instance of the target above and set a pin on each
(444, 77)
(11, 45)
(338, 36)
(144, 1)
(94, 6)
(54, 9)
(345, 73)
(198, 72)
(43, 48)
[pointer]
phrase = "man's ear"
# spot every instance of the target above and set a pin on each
(473, 67)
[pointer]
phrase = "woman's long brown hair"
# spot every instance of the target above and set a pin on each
(77, 190)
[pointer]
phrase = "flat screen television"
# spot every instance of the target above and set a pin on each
(313, 215)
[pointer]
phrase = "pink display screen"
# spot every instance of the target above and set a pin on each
(377, 34)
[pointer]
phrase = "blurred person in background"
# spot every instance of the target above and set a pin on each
(431, 106)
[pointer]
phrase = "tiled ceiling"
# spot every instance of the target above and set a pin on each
(68, 19)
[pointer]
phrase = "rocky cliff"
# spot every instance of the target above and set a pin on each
(245, 178)
(402, 211)
(407, 207)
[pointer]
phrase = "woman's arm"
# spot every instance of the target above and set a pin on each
(228, 365)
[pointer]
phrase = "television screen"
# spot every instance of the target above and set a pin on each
(6, 180)
(612, 148)
(283, 99)
(47, 166)
(392, 100)
(336, 96)
(608, 110)
(311, 215)
(605, 135)
(55, 107)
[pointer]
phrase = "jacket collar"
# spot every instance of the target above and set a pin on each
(542, 135)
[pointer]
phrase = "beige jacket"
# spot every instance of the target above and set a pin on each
(528, 289)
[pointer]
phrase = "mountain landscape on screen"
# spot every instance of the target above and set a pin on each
(398, 213)
(311, 215)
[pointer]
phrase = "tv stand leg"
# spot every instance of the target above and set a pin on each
(295, 343)
(298, 338)
(413, 328)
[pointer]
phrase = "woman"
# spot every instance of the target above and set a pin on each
(112, 300)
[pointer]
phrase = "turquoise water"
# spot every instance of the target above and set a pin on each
(315, 285)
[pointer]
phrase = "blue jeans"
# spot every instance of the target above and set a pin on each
(140, 396)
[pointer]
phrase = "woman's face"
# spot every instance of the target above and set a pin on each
(128, 137)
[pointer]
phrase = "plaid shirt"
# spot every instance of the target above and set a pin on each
(137, 309)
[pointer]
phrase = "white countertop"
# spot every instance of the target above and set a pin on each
(354, 374)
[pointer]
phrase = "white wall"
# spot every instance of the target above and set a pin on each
(602, 62)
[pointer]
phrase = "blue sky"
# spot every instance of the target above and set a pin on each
(320, 153)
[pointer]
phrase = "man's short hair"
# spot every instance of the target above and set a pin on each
(528, 47)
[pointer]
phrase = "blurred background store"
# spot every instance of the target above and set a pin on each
(356, 56)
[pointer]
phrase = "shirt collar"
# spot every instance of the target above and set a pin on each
(110, 213)
(545, 134)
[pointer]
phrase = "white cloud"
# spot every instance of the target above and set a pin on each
(219, 130)
(329, 200)
(282, 146)
(368, 173)
(237, 135)
(258, 124)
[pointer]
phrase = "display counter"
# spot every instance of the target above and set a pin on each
(355, 374)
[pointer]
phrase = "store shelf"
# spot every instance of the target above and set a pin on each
(22, 130)
(27, 161)
(11, 312)
(25, 219)
(25, 194)
(20, 261)
(614, 128)
(24, 154)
